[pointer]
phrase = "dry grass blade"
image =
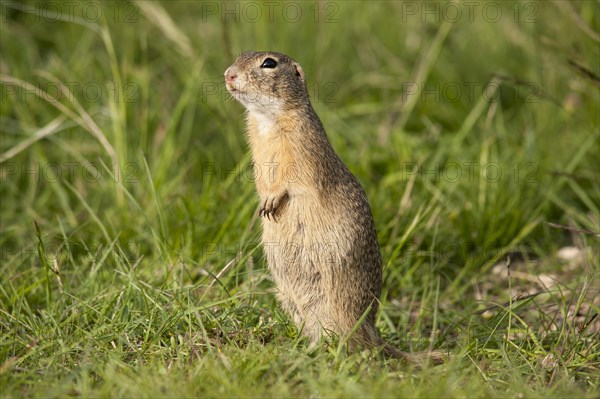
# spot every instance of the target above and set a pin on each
(49, 129)
(567, 7)
(583, 231)
(85, 120)
(159, 17)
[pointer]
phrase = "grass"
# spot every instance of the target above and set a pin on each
(131, 264)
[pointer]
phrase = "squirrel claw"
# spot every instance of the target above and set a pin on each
(271, 205)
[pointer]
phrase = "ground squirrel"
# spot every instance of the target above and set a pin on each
(318, 232)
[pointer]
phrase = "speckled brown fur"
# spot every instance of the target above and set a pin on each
(318, 232)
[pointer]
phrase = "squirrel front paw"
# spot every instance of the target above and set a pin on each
(270, 203)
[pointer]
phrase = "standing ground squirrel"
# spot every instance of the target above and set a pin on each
(318, 232)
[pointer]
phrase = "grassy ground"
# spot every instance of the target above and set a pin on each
(130, 257)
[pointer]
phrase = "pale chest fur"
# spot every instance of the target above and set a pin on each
(275, 163)
(305, 223)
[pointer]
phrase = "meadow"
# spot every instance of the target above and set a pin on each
(131, 263)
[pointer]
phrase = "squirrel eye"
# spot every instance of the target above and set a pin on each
(269, 63)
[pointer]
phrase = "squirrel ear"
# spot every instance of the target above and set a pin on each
(299, 71)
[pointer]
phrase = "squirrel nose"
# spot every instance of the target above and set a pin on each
(231, 74)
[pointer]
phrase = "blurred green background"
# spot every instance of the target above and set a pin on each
(127, 221)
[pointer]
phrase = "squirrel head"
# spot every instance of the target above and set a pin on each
(267, 82)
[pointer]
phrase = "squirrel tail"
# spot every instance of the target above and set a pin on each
(373, 339)
(434, 357)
